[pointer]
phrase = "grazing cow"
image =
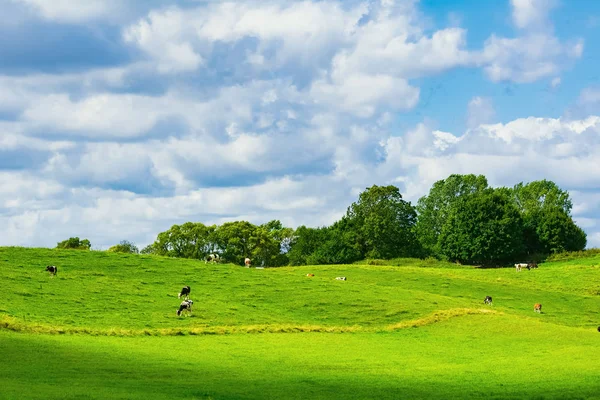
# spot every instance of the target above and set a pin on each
(186, 305)
(185, 291)
(247, 262)
(532, 265)
(487, 300)
(341, 278)
(52, 269)
(310, 274)
(518, 266)
(599, 329)
(212, 258)
(537, 308)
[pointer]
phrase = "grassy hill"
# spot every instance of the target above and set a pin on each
(413, 330)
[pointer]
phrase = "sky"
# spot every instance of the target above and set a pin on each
(120, 118)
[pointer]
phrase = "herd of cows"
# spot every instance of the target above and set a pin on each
(186, 305)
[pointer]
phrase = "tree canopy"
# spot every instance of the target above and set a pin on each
(460, 219)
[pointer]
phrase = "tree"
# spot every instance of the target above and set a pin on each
(74, 243)
(383, 223)
(433, 209)
(546, 212)
(557, 232)
(190, 240)
(124, 246)
(339, 244)
(483, 228)
(541, 195)
(304, 243)
(235, 241)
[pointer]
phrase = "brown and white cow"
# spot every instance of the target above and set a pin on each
(537, 308)
(247, 262)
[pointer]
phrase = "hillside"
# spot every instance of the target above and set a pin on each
(105, 328)
(101, 292)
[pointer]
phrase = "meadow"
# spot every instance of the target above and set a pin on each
(106, 327)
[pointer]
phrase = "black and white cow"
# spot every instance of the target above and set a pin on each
(487, 300)
(341, 278)
(186, 305)
(519, 266)
(212, 258)
(52, 269)
(185, 291)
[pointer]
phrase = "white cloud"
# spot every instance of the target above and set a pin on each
(68, 11)
(527, 58)
(480, 110)
(531, 13)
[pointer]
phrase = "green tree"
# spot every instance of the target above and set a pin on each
(433, 209)
(383, 223)
(546, 212)
(339, 244)
(124, 246)
(74, 243)
(190, 240)
(236, 241)
(304, 242)
(557, 232)
(483, 228)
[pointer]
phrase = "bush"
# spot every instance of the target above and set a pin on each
(124, 247)
(74, 243)
(573, 255)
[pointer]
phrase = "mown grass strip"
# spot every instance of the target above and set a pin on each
(12, 324)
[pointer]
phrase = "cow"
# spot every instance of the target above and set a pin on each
(310, 275)
(487, 300)
(186, 305)
(537, 308)
(247, 262)
(214, 258)
(341, 278)
(599, 329)
(518, 266)
(52, 269)
(185, 291)
(532, 265)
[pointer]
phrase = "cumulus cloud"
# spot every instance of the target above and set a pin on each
(480, 110)
(276, 109)
(535, 53)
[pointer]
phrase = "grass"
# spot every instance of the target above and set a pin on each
(105, 327)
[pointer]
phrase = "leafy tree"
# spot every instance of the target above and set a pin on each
(483, 228)
(149, 249)
(339, 244)
(383, 223)
(557, 232)
(124, 246)
(541, 195)
(190, 240)
(74, 243)
(236, 240)
(304, 243)
(546, 212)
(433, 209)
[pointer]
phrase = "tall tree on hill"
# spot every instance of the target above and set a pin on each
(547, 221)
(190, 240)
(433, 209)
(383, 223)
(483, 228)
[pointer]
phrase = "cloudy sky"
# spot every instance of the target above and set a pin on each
(119, 118)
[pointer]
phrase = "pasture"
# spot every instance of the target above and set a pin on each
(106, 327)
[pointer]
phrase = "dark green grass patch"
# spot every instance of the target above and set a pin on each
(487, 356)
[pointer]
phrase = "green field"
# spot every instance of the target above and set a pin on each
(106, 327)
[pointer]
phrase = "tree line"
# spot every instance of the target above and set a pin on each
(461, 219)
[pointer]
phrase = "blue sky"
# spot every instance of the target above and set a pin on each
(119, 118)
